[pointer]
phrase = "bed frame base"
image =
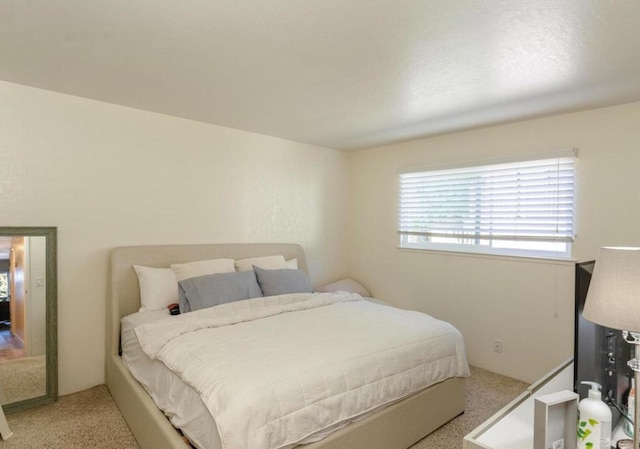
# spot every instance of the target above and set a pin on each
(403, 423)
(151, 429)
(395, 427)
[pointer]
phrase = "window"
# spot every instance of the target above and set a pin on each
(519, 208)
(4, 285)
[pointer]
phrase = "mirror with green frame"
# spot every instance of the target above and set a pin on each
(28, 317)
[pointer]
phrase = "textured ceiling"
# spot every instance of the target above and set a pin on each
(345, 74)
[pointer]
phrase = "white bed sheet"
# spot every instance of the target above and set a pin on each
(180, 403)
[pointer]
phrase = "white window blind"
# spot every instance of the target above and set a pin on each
(491, 205)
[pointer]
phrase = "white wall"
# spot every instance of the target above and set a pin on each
(526, 303)
(108, 176)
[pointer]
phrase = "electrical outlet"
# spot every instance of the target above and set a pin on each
(497, 346)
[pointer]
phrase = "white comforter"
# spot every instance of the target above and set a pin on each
(276, 371)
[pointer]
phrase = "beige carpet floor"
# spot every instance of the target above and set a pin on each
(487, 393)
(90, 419)
(22, 378)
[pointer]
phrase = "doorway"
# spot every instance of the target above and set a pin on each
(11, 346)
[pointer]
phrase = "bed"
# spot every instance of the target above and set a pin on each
(398, 425)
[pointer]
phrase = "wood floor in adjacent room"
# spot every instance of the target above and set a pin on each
(90, 419)
(10, 348)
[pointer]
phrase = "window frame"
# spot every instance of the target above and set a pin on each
(485, 249)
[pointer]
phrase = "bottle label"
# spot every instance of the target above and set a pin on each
(605, 435)
(590, 434)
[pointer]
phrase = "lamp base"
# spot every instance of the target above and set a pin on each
(633, 338)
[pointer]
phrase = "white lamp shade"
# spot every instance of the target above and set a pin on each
(613, 299)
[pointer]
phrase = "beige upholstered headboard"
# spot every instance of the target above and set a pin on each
(124, 294)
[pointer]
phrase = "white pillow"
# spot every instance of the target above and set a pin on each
(158, 287)
(202, 267)
(266, 263)
(345, 285)
(291, 264)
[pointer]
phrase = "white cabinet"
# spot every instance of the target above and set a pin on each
(512, 427)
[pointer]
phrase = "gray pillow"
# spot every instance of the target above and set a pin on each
(213, 289)
(283, 281)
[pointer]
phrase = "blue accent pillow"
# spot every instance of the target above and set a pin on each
(214, 289)
(283, 281)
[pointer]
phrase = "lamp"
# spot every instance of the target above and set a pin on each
(613, 300)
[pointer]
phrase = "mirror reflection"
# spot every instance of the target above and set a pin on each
(27, 298)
